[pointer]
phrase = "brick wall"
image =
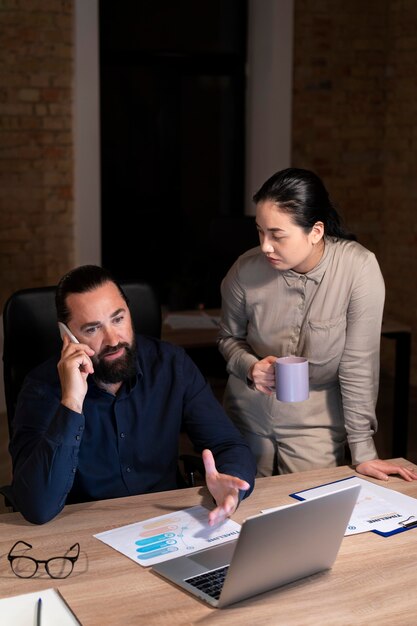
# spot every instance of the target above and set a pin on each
(355, 94)
(355, 124)
(36, 170)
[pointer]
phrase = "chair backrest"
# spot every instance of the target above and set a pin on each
(31, 332)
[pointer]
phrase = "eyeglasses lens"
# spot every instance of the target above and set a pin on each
(24, 567)
(59, 567)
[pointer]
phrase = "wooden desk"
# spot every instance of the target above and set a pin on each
(400, 333)
(373, 580)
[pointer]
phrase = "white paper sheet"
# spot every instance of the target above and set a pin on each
(21, 610)
(169, 536)
(377, 508)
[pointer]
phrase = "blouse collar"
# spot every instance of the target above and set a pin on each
(316, 274)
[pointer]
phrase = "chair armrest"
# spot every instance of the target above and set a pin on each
(192, 465)
(6, 491)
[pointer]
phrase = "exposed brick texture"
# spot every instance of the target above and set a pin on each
(36, 145)
(355, 124)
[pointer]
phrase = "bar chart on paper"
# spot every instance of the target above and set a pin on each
(168, 536)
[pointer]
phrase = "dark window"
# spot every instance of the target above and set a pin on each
(172, 137)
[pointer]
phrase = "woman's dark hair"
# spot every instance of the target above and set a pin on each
(80, 280)
(302, 195)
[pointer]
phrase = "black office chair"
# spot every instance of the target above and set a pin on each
(31, 332)
(31, 336)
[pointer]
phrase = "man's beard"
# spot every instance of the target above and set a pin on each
(120, 369)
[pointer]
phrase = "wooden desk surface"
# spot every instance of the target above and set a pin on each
(373, 580)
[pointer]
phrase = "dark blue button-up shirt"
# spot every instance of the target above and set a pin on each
(120, 445)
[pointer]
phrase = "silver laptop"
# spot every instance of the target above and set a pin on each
(272, 549)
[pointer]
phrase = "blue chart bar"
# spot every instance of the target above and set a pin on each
(156, 545)
(158, 552)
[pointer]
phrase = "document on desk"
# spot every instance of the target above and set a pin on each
(378, 509)
(168, 536)
(23, 609)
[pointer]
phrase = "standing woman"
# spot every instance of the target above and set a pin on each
(309, 290)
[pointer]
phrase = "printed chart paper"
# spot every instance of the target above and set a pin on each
(169, 536)
(378, 509)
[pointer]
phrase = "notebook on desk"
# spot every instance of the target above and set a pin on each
(272, 549)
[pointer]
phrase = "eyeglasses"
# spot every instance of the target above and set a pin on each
(57, 567)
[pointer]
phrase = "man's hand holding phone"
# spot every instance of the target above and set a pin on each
(64, 330)
(74, 367)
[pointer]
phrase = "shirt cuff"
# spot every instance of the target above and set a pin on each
(363, 451)
(242, 365)
(67, 427)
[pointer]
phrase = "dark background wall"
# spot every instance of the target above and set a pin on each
(354, 122)
(172, 78)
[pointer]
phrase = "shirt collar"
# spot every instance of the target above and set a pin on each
(316, 274)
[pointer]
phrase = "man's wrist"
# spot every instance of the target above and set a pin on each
(72, 405)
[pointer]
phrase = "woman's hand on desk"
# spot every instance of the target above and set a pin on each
(224, 489)
(381, 469)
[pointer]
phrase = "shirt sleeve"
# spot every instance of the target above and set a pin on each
(208, 426)
(359, 365)
(232, 343)
(44, 449)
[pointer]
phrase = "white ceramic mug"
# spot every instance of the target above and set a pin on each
(291, 379)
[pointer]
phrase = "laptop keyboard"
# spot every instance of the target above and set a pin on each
(210, 582)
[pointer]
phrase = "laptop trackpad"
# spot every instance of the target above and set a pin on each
(214, 557)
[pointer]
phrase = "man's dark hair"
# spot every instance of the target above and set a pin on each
(81, 280)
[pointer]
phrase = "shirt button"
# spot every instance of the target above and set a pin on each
(74, 469)
(122, 435)
(77, 437)
(128, 469)
(81, 428)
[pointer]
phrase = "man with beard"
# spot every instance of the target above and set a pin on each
(103, 419)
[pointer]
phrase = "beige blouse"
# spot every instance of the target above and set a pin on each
(332, 315)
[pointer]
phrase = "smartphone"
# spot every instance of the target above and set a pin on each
(64, 330)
